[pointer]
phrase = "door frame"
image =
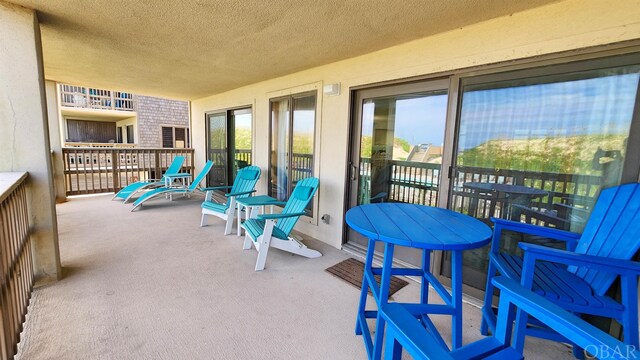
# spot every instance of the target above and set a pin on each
(357, 95)
(230, 137)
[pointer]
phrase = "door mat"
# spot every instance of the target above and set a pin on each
(351, 271)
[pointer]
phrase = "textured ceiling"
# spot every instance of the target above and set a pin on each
(191, 49)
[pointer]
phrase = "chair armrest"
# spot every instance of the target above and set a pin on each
(216, 188)
(239, 193)
(178, 175)
(535, 252)
(411, 334)
(557, 318)
(279, 216)
(561, 235)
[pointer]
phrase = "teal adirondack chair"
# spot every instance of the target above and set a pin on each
(403, 331)
(165, 190)
(130, 190)
(273, 230)
(243, 186)
(577, 279)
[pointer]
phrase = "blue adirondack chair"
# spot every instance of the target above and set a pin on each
(404, 331)
(130, 190)
(578, 278)
(171, 190)
(243, 186)
(273, 230)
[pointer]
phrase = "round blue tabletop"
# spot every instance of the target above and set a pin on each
(418, 226)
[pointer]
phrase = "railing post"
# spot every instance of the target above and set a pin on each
(88, 96)
(113, 103)
(158, 173)
(115, 157)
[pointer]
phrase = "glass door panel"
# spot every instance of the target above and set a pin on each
(538, 149)
(398, 148)
(217, 150)
(279, 149)
(241, 121)
(302, 141)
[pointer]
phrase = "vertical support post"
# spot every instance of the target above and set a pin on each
(158, 170)
(115, 158)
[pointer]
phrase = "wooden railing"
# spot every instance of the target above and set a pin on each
(90, 98)
(301, 166)
(418, 183)
(15, 261)
(402, 181)
(567, 190)
(244, 155)
(102, 170)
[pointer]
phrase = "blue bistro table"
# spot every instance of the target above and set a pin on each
(421, 227)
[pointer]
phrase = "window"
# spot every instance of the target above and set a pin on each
(175, 137)
(130, 138)
(561, 132)
(292, 143)
(90, 131)
(119, 134)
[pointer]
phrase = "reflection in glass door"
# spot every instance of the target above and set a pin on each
(217, 149)
(538, 149)
(398, 148)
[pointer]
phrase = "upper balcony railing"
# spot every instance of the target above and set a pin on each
(91, 98)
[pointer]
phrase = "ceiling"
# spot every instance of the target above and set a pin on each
(191, 49)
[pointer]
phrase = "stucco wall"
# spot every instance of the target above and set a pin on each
(24, 134)
(563, 26)
(153, 113)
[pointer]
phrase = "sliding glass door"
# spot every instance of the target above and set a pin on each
(398, 148)
(533, 145)
(538, 145)
(229, 142)
(293, 120)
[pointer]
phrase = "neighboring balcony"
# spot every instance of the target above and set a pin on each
(100, 99)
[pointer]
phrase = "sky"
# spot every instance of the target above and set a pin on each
(419, 120)
(601, 105)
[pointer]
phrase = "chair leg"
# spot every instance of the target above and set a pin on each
(263, 249)
(202, 220)
(488, 322)
(230, 215)
(247, 242)
(263, 244)
(629, 291)
(295, 247)
(392, 348)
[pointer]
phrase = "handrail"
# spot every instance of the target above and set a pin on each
(102, 170)
(16, 267)
(92, 98)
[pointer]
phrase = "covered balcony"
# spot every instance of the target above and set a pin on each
(518, 110)
(154, 284)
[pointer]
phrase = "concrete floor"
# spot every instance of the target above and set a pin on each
(154, 285)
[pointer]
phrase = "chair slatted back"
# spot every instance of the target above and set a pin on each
(612, 231)
(303, 193)
(201, 175)
(175, 166)
(245, 180)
